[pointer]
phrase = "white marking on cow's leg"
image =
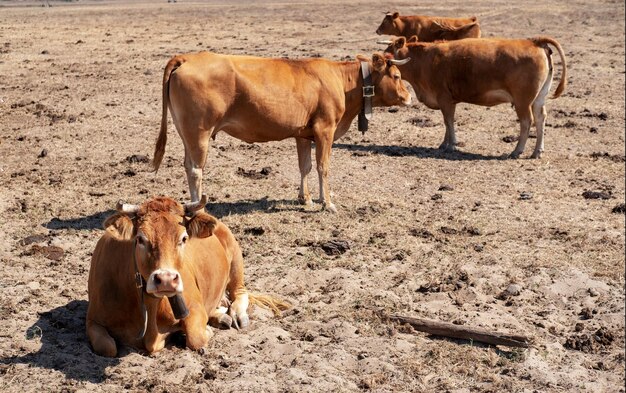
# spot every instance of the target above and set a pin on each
(525, 118)
(239, 310)
(304, 162)
(449, 141)
(323, 145)
(194, 178)
(539, 113)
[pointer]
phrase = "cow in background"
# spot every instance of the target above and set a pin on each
(429, 28)
(483, 72)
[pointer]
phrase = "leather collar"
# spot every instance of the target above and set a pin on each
(368, 92)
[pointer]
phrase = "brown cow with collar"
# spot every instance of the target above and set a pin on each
(483, 72)
(259, 100)
(158, 250)
(429, 28)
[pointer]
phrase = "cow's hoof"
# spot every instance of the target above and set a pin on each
(225, 321)
(330, 207)
(536, 154)
(240, 321)
(244, 321)
(515, 155)
(305, 201)
(443, 146)
(450, 148)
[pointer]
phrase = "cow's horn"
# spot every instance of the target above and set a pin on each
(400, 62)
(192, 207)
(384, 42)
(126, 208)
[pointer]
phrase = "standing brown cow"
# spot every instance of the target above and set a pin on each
(484, 72)
(429, 28)
(259, 100)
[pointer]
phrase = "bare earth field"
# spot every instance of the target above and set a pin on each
(425, 233)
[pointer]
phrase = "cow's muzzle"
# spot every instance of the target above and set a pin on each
(164, 282)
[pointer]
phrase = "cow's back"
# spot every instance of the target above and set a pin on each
(433, 28)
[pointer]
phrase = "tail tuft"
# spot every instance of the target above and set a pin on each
(269, 302)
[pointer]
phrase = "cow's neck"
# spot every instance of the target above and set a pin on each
(402, 24)
(352, 87)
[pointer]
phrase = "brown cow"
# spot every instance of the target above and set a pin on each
(259, 100)
(484, 72)
(157, 250)
(429, 28)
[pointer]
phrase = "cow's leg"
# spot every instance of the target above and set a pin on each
(101, 341)
(195, 327)
(525, 116)
(323, 145)
(153, 340)
(449, 141)
(237, 292)
(196, 139)
(194, 178)
(304, 161)
(539, 113)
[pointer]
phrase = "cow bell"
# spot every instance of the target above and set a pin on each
(178, 306)
(362, 122)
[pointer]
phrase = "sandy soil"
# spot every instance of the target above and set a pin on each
(429, 234)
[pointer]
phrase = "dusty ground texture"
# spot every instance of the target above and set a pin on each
(428, 234)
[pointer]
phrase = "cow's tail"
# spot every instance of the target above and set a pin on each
(268, 302)
(544, 42)
(159, 149)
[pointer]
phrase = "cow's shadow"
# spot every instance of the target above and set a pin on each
(64, 345)
(417, 151)
(92, 221)
(222, 209)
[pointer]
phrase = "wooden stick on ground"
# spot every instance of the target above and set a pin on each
(463, 332)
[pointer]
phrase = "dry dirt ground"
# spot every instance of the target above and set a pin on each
(419, 232)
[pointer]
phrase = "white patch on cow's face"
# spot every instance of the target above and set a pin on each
(164, 282)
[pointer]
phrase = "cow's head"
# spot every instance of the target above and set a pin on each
(160, 229)
(388, 86)
(390, 24)
(398, 48)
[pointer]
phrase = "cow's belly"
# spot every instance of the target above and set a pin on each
(260, 129)
(493, 97)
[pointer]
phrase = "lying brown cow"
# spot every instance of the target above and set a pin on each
(158, 250)
(259, 100)
(429, 28)
(484, 72)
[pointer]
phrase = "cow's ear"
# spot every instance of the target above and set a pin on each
(120, 226)
(395, 15)
(412, 39)
(399, 43)
(378, 62)
(201, 225)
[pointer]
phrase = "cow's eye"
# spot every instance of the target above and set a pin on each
(396, 77)
(141, 241)
(183, 239)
